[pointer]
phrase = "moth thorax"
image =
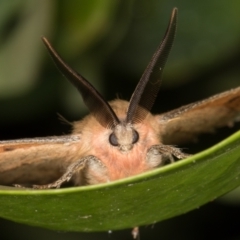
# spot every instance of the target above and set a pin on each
(124, 136)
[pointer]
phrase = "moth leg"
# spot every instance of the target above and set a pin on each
(173, 151)
(71, 170)
(19, 186)
(159, 155)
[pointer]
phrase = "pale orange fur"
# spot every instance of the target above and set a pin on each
(118, 164)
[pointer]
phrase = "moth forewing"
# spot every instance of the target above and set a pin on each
(37, 160)
(186, 123)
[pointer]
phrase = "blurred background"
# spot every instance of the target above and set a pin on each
(110, 43)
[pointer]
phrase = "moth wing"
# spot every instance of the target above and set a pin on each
(187, 122)
(37, 160)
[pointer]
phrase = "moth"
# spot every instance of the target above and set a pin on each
(118, 138)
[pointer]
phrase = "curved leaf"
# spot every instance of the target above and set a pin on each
(144, 199)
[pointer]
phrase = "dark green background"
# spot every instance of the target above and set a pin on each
(110, 43)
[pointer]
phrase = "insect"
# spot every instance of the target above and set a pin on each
(118, 138)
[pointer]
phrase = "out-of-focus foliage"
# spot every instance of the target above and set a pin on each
(21, 22)
(110, 43)
(98, 37)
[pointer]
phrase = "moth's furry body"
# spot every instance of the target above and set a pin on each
(35, 159)
(119, 163)
(117, 139)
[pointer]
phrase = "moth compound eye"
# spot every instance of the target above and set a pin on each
(135, 137)
(113, 140)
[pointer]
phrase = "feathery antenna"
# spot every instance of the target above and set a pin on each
(96, 104)
(147, 89)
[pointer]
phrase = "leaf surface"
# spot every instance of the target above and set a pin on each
(144, 199)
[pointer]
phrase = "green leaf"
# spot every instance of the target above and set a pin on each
(148, 198)
(88, 22)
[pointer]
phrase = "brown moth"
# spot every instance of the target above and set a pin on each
(118, 138)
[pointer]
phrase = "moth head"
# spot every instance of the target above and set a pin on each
(123, 135)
